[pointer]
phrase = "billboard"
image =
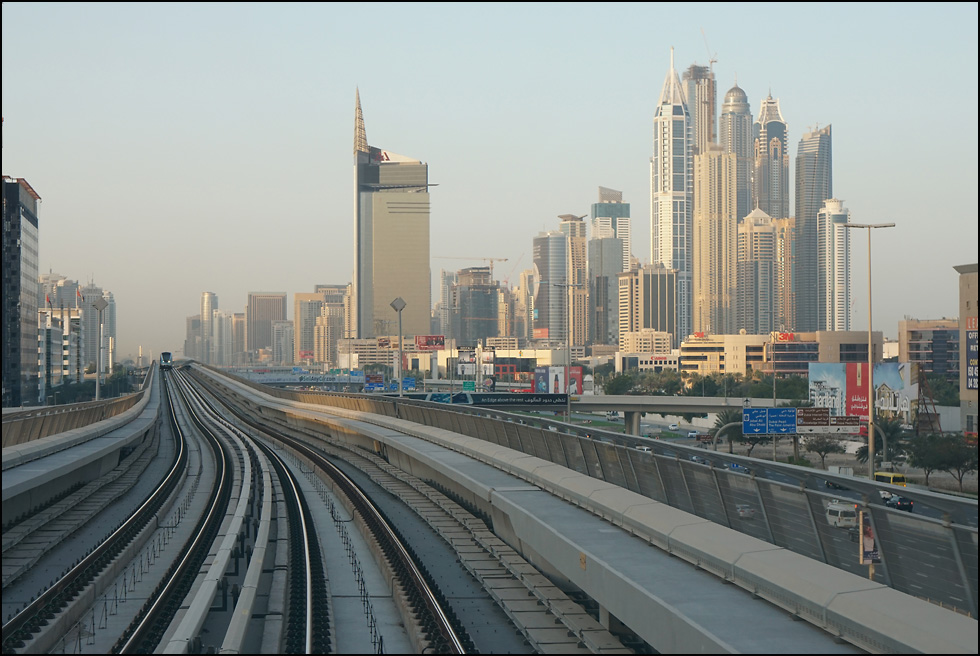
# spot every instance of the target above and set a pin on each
(466, 362)
(541, 380)
(552, 380)
(842, 387)
(540, 333)
(486, 361)
(430, 342)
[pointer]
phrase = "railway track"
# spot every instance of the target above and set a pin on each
(59, 597)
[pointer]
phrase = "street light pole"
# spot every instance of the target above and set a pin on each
(399, 304)
(871, 365)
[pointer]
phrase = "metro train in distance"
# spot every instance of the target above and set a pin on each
(166, 360)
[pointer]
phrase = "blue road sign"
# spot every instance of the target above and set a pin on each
(754, 421)
(782, 420)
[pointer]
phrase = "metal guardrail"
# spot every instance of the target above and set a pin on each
(933, 559)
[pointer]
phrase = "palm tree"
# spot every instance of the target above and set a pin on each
(734, 433)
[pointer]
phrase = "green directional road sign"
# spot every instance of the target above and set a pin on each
(469, 386)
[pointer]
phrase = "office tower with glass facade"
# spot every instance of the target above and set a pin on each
(701, 94)
(757, 288)
(735, 136)
(833, 266)
(648, 300)
(814, 185)
(391, 238)
(671, 193)
(306, 310)
(770, 181)
(605, 264)
(550, 253)
(611, 218)
(263, 308)
(714, 270)
(578, 290)
(20, 291)
(475, 318)
(209, 303)
(785, 273)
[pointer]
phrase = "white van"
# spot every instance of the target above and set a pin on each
(842, 515)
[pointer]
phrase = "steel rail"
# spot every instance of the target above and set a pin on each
(151, 614)
(306, 536)
(383, 531)
(51, 601)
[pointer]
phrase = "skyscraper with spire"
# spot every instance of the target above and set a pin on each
(814, 185)
(671, 193)
(391, 239)
(770, 184)
(735, 136)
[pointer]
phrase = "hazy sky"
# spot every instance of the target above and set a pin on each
(182, 148)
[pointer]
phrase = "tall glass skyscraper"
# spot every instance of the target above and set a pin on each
(735, 136)
(770, 183)
(833, 266)
(814, 185)
(671, 193)
(611, 218)
(701, 94)
(550, 274)
(391, 239)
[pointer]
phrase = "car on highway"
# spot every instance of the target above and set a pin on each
(673, 427)
(692, 434)
(899, 503)
(745, 511)
(644, 449)
(739, 468)
(699, 459)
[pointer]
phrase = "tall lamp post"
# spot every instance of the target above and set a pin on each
(871, 364)
(399, 304)
(99, 304)
(567, 286)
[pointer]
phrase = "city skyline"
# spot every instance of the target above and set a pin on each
(516, 127)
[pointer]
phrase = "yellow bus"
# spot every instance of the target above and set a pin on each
(890, 477)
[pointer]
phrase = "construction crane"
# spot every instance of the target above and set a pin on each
(491, 260)
(711, 59)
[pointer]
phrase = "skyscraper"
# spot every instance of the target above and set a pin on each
(307, 307)
(578, 289)
(476, 316)
(770, 182)
(648, 301)
(833, 267)
(701, 94)
(263, 308)
(391, 238)
(735, 136)
(20, 285)
(209, 303)
(611, 218)
(757, 287)
(550, 253)
(605, 265)
(671, 191)
(715, 255)
(814, 185)
(785, 273)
